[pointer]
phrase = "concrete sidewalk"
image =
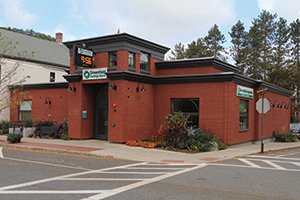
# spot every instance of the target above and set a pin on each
(121, 151)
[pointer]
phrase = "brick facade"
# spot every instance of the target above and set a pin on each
(138, 103)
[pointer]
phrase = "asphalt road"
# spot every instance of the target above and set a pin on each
(40, 175)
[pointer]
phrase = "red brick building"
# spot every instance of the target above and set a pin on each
(137, 90)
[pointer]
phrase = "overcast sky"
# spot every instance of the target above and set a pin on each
(166, 22)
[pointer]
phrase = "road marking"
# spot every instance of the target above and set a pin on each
(296, 163)
(64, 176)
(48, 164)
(172, 164)
(277, 161)
(244, 166)
(158, 168)
(110, 172)
(249, 163)
(1, 154)
(52, 191)
(281, 158)
(289, 154)
(273, 164)
(139, 184)
(103, 179)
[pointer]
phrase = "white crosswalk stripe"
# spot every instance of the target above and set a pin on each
(1, 154)
(156, 170)
(249, 163)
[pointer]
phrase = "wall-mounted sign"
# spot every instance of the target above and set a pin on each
(242, 91)
(83, 57)
(94, 74)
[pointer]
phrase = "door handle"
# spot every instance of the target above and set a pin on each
(105, 123)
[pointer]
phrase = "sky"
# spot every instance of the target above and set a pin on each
(165, 22)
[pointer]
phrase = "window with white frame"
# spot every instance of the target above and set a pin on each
(25, 111)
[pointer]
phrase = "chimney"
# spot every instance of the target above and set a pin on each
(59, 37)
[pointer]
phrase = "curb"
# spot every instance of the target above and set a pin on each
(58, 151)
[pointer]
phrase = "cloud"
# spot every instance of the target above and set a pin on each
(162, 21)
(16, 15)
(289, 9)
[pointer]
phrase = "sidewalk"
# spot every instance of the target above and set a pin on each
(120, 151)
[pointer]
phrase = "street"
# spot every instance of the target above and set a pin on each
(41, 175)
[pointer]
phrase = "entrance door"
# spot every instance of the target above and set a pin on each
(101, 112)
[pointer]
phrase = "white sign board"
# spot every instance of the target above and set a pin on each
(94, 74)
(242, 91)
(85, 52)
(266, 106)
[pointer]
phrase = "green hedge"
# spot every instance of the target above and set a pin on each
(14, 138)
(285, 137)
(177, 137)
(4, 127)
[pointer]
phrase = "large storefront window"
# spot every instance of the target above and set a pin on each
(243, 115)
(189, 107)
(25, 111)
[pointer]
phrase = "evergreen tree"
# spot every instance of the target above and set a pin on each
(280, 72)
(179, 52)
(261, 36)
(238, 50)
(214, 42)
(295, 58)
(210, 45)
(197, 49)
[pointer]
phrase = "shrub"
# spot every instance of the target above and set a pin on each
(285, 137)
(63, 132)
(201, 140)
(176, 136)
(220, 143)
(4, 127)
(176, 133)
(28, 123)
(14, 138)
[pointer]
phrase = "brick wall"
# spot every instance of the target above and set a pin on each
(133, 117)
(56, 111)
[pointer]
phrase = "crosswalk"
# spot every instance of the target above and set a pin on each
(108, 181)
(264, 162)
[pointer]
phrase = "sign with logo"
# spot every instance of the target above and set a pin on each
(94, 74)
(246, 92)
(83, 57)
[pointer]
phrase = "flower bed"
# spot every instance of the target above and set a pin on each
(140, 143)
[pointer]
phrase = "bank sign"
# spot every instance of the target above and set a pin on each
(246, 92)
(94, 74)
(83, 57)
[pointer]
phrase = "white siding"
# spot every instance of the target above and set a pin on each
(37, 73)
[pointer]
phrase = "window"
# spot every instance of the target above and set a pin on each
(113, 59)
(189, 107)
(52, 76)
(243, 115)
(131, 60)
(145, 61)
(25, 111)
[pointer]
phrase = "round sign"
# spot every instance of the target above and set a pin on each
(263, 104)
(86, 74)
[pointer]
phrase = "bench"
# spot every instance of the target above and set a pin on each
(48, 130)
